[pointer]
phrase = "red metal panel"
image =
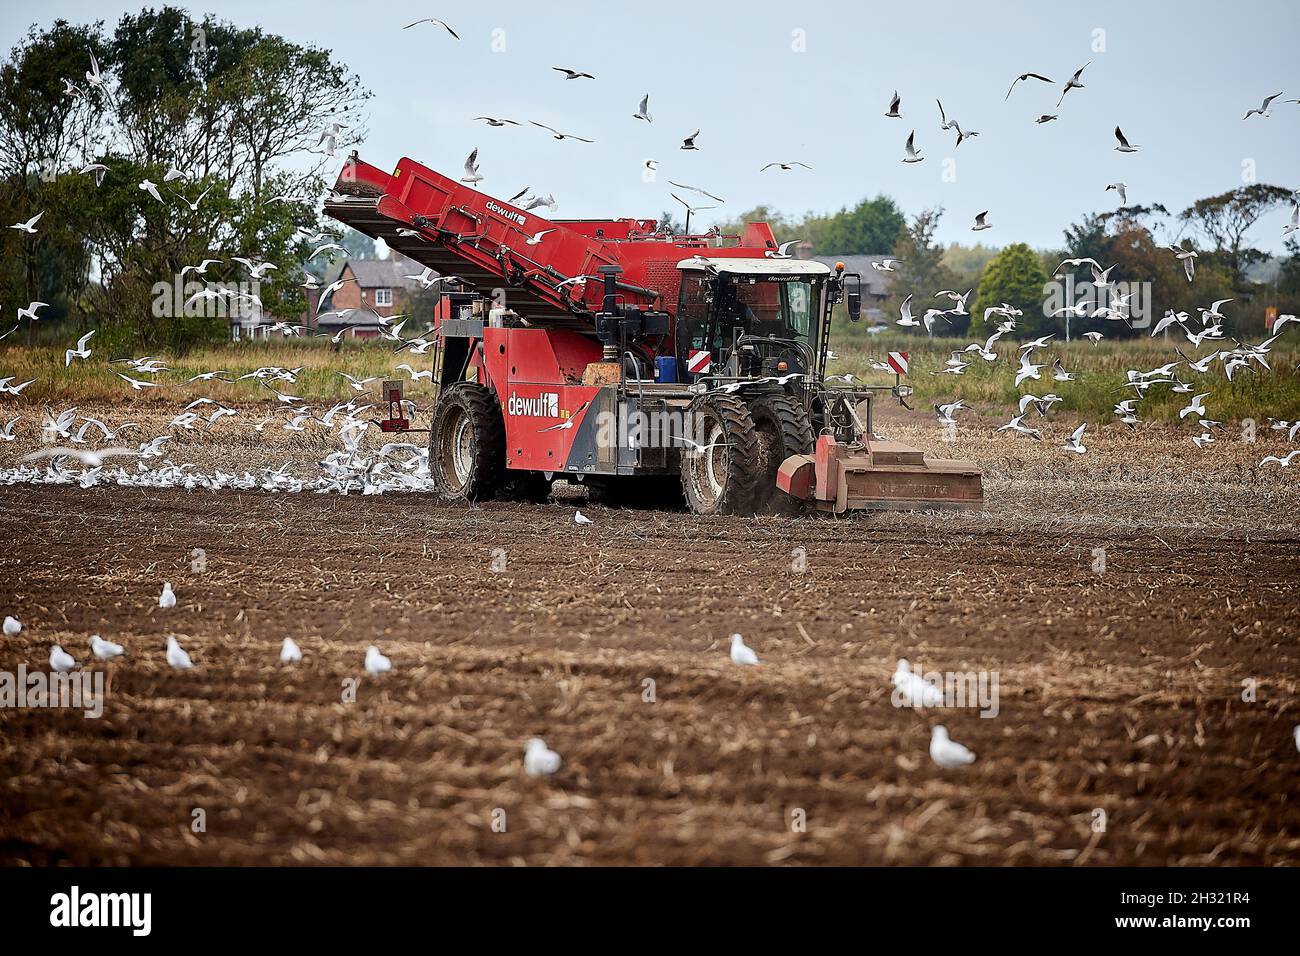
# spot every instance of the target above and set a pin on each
(541, 422)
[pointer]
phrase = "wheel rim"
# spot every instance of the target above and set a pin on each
(715, 464)
(457, 448)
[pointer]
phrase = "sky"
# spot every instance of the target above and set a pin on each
(767, 81)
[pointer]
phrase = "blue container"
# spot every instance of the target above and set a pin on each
(666, 368)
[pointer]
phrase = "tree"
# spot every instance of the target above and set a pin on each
(238, 112)
(1225, 219)
(1014, 276)
(922, 272)
(872, 226)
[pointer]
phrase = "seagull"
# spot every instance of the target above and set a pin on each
(377, 663)
(556, 134)
(434, 21)
(1263, 108)
(258, 270)
(916, 691)
(151, 189)
(201, 268)
(1018, 426)
(696, 189)
(12, 626)
(136, 384)
(30, 224)
(572, 74)
(643, 111)
(946, 752)
(580, 518)
(176, 656)
(1120, 190)
(894, 104)
(471, 169)
(105, 650)
(740, 654)
(494, 121)
(80, 351)
(1196, 408)
(93, 76)
(886, 265)
(912, 155)
(290, 652)
(1025, 76)
(1281, 462)
(689, 141)
(905, 310)
(1213, 312)
(1059, 373)
(7, 430)
(1027, 369)
(168, 597)
(1073, 82)
(540, 761)
(99, 169)
(1046, 118)
(1075, 442)
(980, 222)
(61, 660)
(537, 237)
(785, 166)
(1124, 146)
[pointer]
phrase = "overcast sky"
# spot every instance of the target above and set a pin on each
(1176, 76)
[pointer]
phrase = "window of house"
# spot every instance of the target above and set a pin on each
(383, 297)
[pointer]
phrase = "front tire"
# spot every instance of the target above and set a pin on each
(721, 476)
(783, 430)
(467, 443)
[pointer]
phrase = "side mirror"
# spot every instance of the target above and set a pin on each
(854, 300)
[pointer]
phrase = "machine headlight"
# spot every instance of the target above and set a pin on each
(902, 391)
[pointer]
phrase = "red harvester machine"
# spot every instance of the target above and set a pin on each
(648, 366)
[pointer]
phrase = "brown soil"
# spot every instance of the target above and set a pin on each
(1119, 691)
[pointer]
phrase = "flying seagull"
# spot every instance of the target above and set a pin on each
(1263, 107)
(572, 74)
(434, 21)
(494, 121)
(643, 111)
(1025, 76)
(556, 134)
(1120, 190)
(894, 104)
(689, 141)
(786, 166)
(980, 222)
(1124, 146)
(912, 155)
(471, 169)
(1073, 82)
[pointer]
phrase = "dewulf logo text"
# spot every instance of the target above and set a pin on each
(510, 214)
(546, 405)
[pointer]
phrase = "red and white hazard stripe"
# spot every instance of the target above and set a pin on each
(698, 361)
(898, 362)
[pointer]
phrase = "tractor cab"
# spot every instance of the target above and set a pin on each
(750, 318)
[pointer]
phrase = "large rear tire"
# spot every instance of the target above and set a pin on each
(721, 477)
(783, 430)
(467, 443)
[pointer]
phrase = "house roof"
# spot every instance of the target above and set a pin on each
(873, 282)
(387, 273)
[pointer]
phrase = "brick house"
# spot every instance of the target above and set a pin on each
(381, 288)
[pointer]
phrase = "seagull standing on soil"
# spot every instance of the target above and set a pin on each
(740, 654)
(377, 663)
(168, 597)
(946, 752)
(61, 660)
(105, 650)
(916, 690)
(539, 760)
(290, 652)
(176, 656)
(12, 626)
(579, 518)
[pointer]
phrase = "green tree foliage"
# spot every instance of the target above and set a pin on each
(1225, 219)
(237, 111)
(1016, 277)
(871, 226)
